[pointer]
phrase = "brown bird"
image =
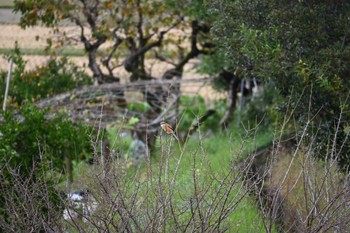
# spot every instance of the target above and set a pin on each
(168, 129)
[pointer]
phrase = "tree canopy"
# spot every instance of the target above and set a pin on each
(130, 31)
(129, 37)
(302, 49)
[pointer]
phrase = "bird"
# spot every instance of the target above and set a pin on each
(168, 129)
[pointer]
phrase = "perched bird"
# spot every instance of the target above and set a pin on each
(168, 129)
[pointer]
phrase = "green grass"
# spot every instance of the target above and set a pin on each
(66, 51)
(41, 52)
(6, 3)
(217, 154)
(202, 158)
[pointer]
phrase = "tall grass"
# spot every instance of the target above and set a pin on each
(297, 191)
(198, 187)
(216, 183)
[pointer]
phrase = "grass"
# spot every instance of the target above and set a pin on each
(6, 3)
(74, 52)
(217, 155)
(64, 51)
(204, 169)
(309, 178)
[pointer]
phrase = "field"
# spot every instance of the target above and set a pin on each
(6, 3)
(252, 176)
(32, 42)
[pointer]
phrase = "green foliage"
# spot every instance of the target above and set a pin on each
(191, 109)
(29, 200)
(198, 9)
(40, 10)
(302, 48)
(262, 110)
(32, 153)
(55, 77)
(121, 144)
(29, 138)
(139, 107)
(205, 180)
(217, 154)
(212, 65)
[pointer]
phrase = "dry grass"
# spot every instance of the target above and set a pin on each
(303, 194)
(27, 40)
(30, 38)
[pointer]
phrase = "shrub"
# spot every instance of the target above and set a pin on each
(29, 137)
(192, 108)
(33, 149)
(55, 77)
(29, 204)
(301, 51)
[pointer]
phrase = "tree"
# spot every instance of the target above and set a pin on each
(55, 77)
(29, 138)
(302, 48)
(33, 152)
(125, 34)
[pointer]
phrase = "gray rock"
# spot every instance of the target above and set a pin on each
(138, 152)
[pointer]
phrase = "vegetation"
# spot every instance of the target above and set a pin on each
(35, 154)
(277, 163)
(56, 77)
(68, 52)
(142, 194)
(135, 31)
(30, 138)
(6, 3)
(301, 48)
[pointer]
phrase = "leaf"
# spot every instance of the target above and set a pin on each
(133, 121)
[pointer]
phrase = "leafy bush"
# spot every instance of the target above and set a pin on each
(55, 77)
(191, 109)
(261, 110)
(304, 52)
(31, 202)
(29, 137)
(33, 149)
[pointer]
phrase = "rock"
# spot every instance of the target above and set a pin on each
(81, 204)
(138, 152)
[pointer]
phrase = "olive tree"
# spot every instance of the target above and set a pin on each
(302, 49)
(121, 36)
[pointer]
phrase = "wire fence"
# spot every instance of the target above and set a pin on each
(101, 105)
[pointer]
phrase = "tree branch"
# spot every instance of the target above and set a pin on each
(128, 63)
(117, 43)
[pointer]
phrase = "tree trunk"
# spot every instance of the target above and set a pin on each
(231, 102)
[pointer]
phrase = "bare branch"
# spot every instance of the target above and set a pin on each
(128, 63)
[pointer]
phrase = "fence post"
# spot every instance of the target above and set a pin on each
(7, 85)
